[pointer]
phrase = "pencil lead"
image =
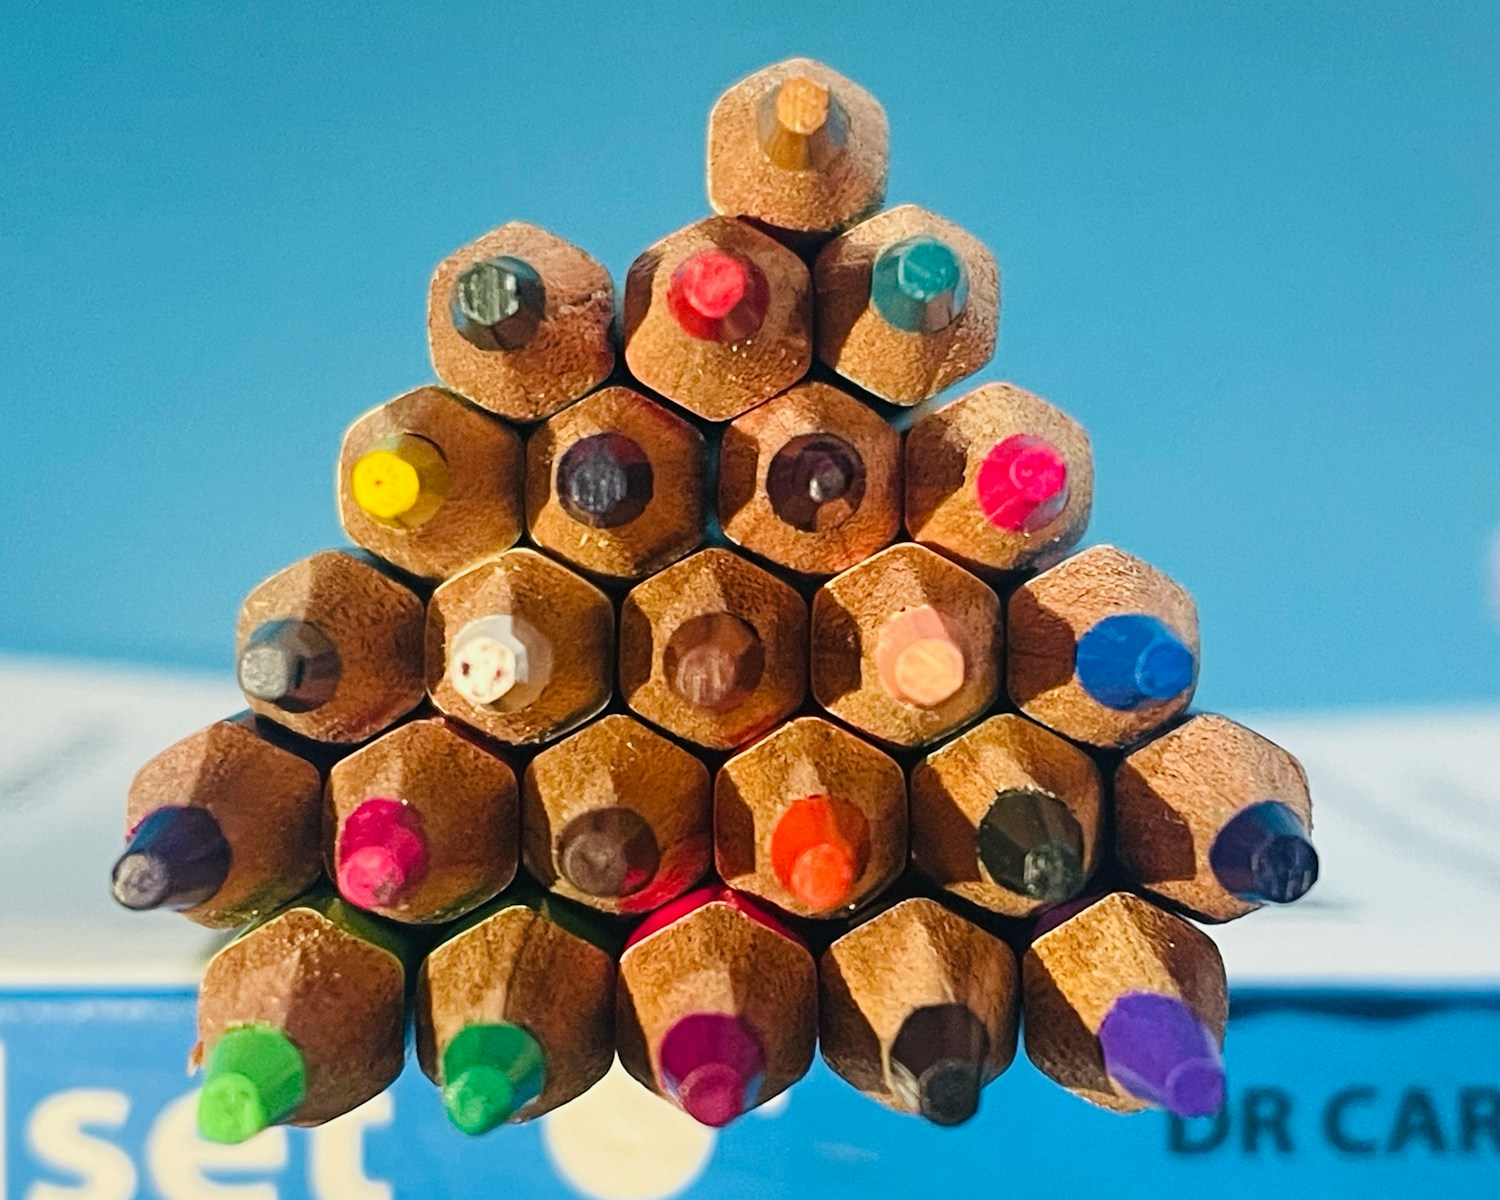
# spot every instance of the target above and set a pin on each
(498, 303)
(1029, 841)
(605, 480)
(401, 481)
(382, 853)
(719, 297)
(255, 1078)
(608, 852)
(1022, 483)
(290, 664)
(177, 857)
(802, 125)
(1159, 1051)
(919, 285)
(713, 1063)
(1130, 660)
(492, 1071)
(1263, 855)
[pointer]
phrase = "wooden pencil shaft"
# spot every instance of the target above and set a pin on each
(518, 967)
(862, 828)
(614, 484)
(810, 480)
(713, 649)
(339, 999)
(918, 1009)
(331, 605)
(264, 802)
(552, 337)
(798, 147)
(907, 304)
(1074, 974)
(460, 800)
(438, 518)
(514, 647)
(718, 318)
(617, 817)
(999, 480)
(1107, 599)
(905, 646)
(1007, 816)
(1176, 796)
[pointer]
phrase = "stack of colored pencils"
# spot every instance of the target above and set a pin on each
(634, 725)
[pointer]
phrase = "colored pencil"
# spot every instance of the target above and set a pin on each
(718, 317)
(717, 1006)
(1007, 816)
(616, 816)
(713, 649)
(422, 823)
(917, 1009)
(521, 322)
(514, 648)
(810, 819)
(811, 480)
(1126, 1006)
(797, 147)
(1214, 819)
(331, 647)
(906, 646)
(1103, 648)
(614, 484)
(907, 304)
(515, 1010)
(300, 1019)
(223, 826)
(999, 479)
(430, 483)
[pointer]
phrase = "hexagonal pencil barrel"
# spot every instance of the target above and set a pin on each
(917, 1009)
(797, 147)
(1007, 816)
(617, 817)
(331, 647)
(1103, 647)
(718, 317)
(810, 480)
(223, 826)
(713, 649)
(810, 819)
(516, 648)
(717, 1006)
(430, 483)
(521, 322)
(515, 1010)
(301, 1019)
(999, 479)
(907, 304)
(1125, 1006)
(1214, 819)
(906, 646)
(614, 484)
(423, 823)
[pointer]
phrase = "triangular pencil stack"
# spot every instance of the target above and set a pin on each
(702, 684)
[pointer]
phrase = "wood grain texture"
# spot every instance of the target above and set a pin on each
(858, 343)
(519, 967)
(572, 615)
(268, 804)
(718, 380)
(944, 452)
(573, 349)
(953, 788)
(744, 182)
(850, 533)
(713, 581)
(1072, 974)
(463, 796)
(848, 613)
(1174, 794)
(718, 960)
(481, 515)
(806, 757)
(374, 622)
(671, 524)
(617, 762)
(1047, 616)
(340, 999)
(912, 955)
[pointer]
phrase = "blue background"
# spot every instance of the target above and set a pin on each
(1251, 246)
